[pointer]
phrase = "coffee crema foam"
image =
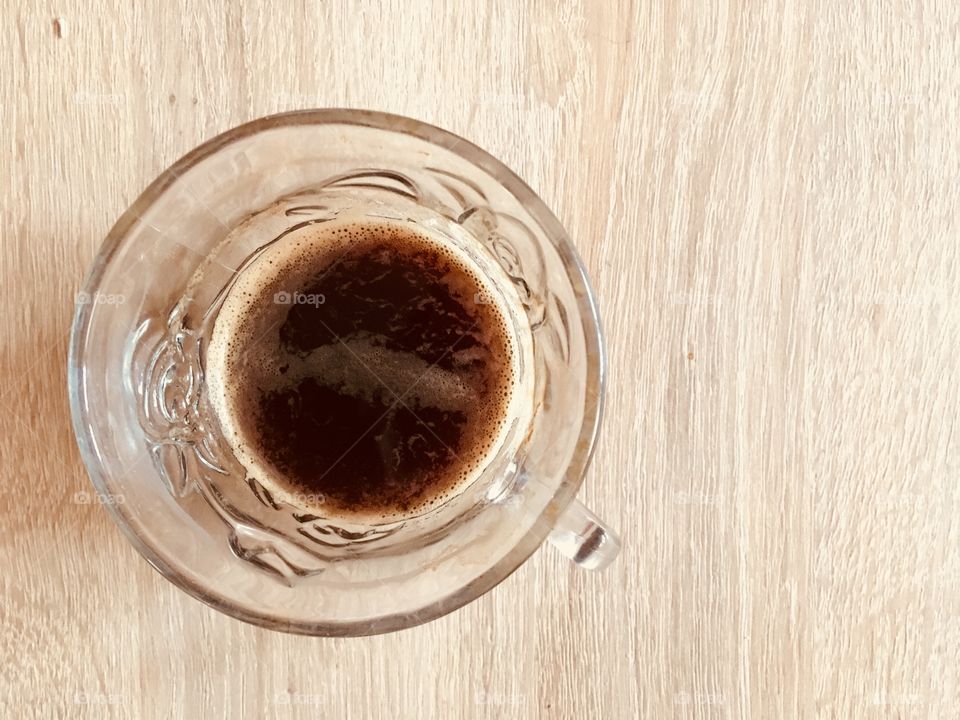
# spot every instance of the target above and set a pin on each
(363, 369)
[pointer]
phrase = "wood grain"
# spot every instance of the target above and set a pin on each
(766, 195)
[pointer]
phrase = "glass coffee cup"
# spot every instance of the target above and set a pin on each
(156, 451)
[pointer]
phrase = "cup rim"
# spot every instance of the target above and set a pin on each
(593, 337)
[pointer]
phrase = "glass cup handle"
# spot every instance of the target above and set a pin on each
(582, 537)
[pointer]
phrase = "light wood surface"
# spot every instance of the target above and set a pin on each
(766, 196)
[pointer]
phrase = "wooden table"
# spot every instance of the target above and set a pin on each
(766, 196)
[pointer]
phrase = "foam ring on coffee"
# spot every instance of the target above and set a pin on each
(251, 363)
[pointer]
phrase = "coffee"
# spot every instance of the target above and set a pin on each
(364, 368)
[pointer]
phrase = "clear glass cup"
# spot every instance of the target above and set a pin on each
(155, 451)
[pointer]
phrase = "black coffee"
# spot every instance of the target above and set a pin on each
(363, 366)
